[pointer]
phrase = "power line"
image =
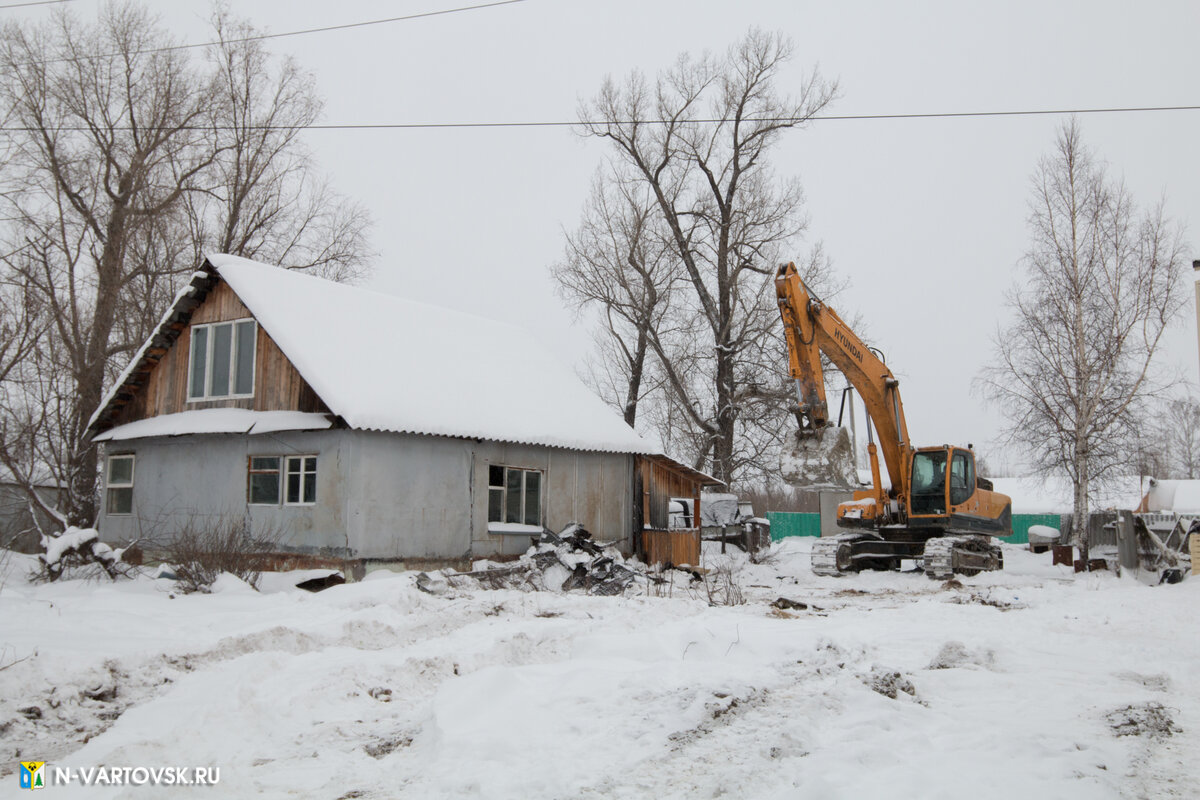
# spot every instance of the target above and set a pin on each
(359, 126)
(715, 120)
(345, 26)
(263, 36)
(37, 3)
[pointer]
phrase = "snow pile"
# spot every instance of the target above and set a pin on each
(885, 685)
(76, 547)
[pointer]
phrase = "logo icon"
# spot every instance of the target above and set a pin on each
(33, 774)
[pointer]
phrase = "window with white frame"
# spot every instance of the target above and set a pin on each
(262, 481)
(301, 480)
(119, 499)
(291, 480)
(221, 362)
(514, 495)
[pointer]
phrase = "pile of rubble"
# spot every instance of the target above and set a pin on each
(557, 562)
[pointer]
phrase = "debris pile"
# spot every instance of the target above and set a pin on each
(1144, 719)
(557, 562)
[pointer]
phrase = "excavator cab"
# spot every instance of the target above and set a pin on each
(942, 478)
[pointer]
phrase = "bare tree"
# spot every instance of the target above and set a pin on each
(1178, 434)
(125, 161)
(110, 135)
(699, 141)
(620, 261)
(1101, 283)
(268, 201)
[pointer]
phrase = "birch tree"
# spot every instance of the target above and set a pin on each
(699, 139)
(1099, 286)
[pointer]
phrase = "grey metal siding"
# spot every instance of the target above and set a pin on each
(379, 495)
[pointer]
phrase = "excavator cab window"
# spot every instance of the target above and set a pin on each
(962, 477)
(929, 482)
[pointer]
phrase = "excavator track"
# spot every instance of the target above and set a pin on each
(966, 555)
(833, 555)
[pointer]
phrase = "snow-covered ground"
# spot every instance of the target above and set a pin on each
(1015, 684)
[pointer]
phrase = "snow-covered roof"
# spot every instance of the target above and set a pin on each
(381, 362)
(1182, 497)
(216, 420)
(1055, 496)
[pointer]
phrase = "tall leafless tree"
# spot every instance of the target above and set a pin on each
(268, 201)
(619, 260)
(1100, 284)
(1179, 437)
(699, 140)
(104, 145)
(122, 154)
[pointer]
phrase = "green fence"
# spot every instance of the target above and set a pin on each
(1023, 522)
(786, 523)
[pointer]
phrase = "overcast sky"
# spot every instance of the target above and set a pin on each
(925, 218)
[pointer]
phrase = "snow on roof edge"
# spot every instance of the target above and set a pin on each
(215, 420)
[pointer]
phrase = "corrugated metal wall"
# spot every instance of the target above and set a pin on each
(1023, 522)
(785, 524)
(790, 523)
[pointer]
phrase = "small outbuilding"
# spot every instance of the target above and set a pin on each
(358, 425)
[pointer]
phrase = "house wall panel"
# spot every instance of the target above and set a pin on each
(585, 487)
(379, 495)
(201, 481)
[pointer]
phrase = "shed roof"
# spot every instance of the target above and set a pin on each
(380, 362)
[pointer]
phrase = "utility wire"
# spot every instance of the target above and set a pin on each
(37, 3)
(599, 123)
(263, 36)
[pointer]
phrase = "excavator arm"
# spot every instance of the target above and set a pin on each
(812, 328)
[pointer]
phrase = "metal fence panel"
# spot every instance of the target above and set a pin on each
(787, 523)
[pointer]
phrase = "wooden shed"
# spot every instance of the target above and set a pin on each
(660, 480)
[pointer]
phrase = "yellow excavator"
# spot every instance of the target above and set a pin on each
(938, 510)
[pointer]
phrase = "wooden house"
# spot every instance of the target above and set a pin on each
(363, 426)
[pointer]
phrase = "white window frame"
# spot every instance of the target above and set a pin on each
(233, 360)
(305, 476)
(500, 524)
(109, 485)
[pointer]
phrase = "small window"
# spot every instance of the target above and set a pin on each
(263, 481)
(221, 362)
(514, 495)
(962, 477)
(120, 485)
(301, 480)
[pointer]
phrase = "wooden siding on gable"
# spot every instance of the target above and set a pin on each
(278, 386)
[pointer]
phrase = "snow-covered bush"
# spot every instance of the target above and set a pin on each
(204, 549)
(77, 548)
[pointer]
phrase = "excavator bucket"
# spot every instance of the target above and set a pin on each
(820, 459)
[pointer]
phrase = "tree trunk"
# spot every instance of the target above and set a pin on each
(723, 444)
(82, 508)
(636, 366)
(1080, 519)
